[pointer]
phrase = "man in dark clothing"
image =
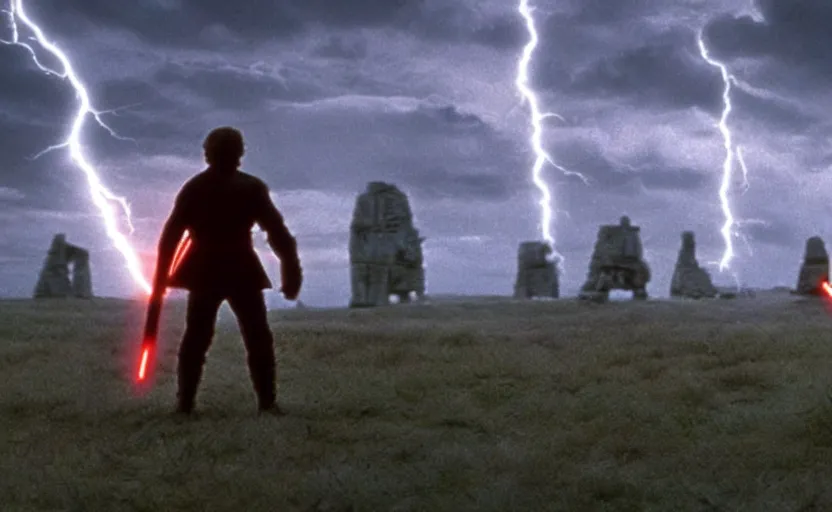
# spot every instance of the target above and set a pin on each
(218, 209)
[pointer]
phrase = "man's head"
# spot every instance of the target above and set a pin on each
(224, 147)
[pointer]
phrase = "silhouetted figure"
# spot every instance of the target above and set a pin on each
(218, 208)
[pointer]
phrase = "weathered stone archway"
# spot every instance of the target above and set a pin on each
(66, 271)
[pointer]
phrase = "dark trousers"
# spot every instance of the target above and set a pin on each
(250, 309)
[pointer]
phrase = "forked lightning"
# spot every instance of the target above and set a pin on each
(102, 197)
(536, 140)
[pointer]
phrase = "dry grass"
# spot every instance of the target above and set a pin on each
(493, 406)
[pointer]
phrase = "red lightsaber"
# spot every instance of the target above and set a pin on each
(827, 288)
(151, 332)
(154, 312)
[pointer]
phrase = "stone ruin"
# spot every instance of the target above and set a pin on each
(815, 268)
(385, 248)
(537, 274)
(617, 263)
(689, 279)
(66, 272)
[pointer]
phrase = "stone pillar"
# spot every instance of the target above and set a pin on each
(536, 275)
(54, 280)
(689, 279)
(815, 268)
(385, 248)
(54, 276)
(617, 263)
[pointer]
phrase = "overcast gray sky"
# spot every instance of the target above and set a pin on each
(333, 94)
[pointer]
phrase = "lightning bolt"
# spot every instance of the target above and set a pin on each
(730, 223)
(542, 157)
(741, 161)
(102, 197)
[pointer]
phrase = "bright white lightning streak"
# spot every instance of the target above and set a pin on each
(741, 161)
(728, 164)
(536, 142)
(101, 196)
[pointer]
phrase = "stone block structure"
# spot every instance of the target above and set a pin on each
(385, 248)
(537, 274)
(617, 263)
(66, 272)
(815, 268)
(689, 279)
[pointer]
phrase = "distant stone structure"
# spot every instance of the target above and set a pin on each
(537, 275)
(385, 248)
(617, 263)
(55, 280)
(689, 279)
(815, 268)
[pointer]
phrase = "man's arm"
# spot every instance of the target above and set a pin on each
(169, 240)
(281, 241)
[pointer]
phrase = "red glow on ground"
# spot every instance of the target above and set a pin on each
(143, 363)
(827, 288)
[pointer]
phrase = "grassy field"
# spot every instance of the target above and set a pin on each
(493, 406)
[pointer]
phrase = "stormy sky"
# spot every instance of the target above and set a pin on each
(333, 94)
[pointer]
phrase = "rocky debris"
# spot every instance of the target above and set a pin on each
(385, 248)
(617, 263)
(689, 279)
(815, 268)
(536, 272)
(66, 272)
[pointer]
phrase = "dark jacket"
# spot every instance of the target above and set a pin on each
(218, 209)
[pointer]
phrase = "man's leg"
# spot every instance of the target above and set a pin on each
(250, 308)
(199, 331)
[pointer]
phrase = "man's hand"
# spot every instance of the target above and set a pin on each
(291, 277)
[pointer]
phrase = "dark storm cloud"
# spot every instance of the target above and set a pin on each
(673, 178)
(598, 12)
(441, 183)
(795, 32)
(34, 109)
(181, 23)
(27, 90)
(651, 172)
(231, 88)
(41, 181)
(456, 22)
(343, 47)
(448, 117)
(130, 93)
(504, 33)
(773, 113)
(449, 153)
(663, 72)
(189, 23)
(772, 233)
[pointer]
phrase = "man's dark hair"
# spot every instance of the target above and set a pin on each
(224, 146)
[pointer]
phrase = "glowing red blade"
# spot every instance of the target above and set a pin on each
(143, 363)
(827, 288)
(181, 250)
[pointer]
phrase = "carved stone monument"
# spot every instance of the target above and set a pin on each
(537, 276)
(617, 263)
(65, 273)
(689, 279)
(815, 268)
(385, 248)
